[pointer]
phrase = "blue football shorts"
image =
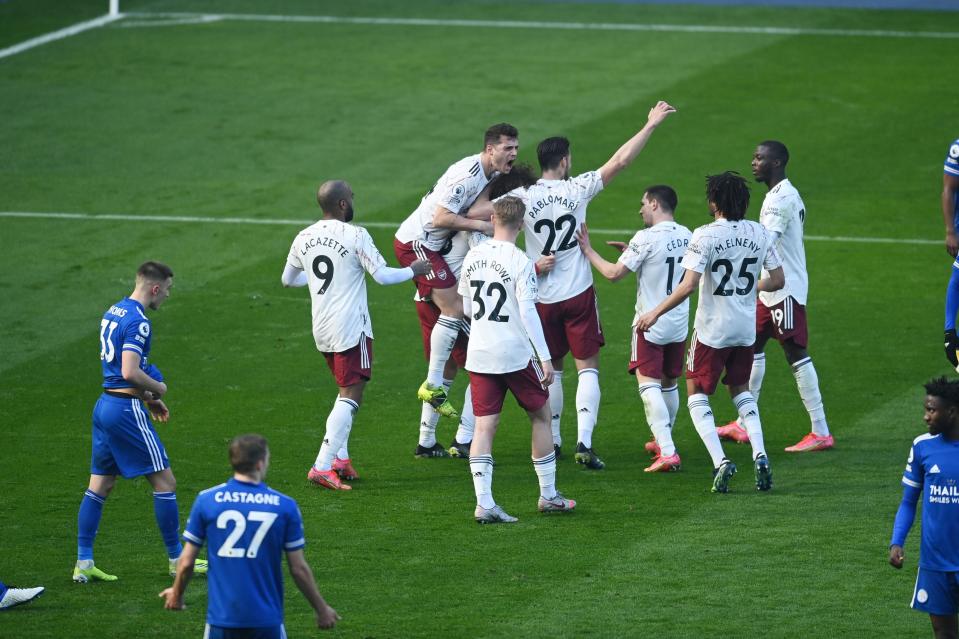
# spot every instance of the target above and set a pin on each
(937, 592)
(124, 441)
(220, 632)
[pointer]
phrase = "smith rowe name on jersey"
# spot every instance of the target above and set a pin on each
(500, 269)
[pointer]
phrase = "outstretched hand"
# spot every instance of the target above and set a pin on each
(158, 410)
(421, 267)
(582, 236)
(171, 601)
(659, 113)
(620, 246)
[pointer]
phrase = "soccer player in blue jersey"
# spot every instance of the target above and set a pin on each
(932, 474)
(248, 526)
(950, 216)
(124, 440)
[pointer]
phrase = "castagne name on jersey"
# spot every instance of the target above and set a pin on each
(499, 269)
(222, 496)
(324, 241)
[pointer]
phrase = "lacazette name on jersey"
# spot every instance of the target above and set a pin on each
(313, 242)
(500, 269)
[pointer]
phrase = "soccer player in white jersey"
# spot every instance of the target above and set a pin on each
(443, 211)
(331, 257)
(555, 208)
(725, 260)
(656, 357)
(507, 350)
(781, 314)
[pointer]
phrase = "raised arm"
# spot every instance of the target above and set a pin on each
(628, 152)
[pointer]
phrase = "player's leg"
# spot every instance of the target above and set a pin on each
(794, 342)
(442, 340)
(488, 394)
(167, 515)
(10, 597)
(585, 337)
(339, 423)
(464, 434)
(704, 366)
(945, 626)
(88, 523)
(426, 446)
(737, 379)
(551, 318)
(647, 363)
(766, 327)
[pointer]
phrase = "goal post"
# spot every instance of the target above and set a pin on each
(114, 8)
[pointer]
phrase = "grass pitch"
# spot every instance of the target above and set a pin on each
(244, 118)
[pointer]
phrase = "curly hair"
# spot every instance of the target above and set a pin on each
(730, 193)
(945, 389)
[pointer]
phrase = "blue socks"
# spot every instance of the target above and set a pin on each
(88, 520)
(168, 519)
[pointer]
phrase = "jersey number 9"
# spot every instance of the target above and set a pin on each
(325, 274)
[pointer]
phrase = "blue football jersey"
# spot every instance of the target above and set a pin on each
(248, 527)
(951, 167)
(933, 466)
(124, 327)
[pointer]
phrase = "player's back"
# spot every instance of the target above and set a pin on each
(456, 190)
(555, 209)
(934, 463)
(783, 211)
(732, 254)
(335, 256)
(495, 276)
(247, 528)
(124, 326)
(655, 254)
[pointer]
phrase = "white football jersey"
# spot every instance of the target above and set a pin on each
(655, 255)
(784, 212)
(455, 191)
(454, 252)
(554, 210)
(495, 276)
(730, 256)
(335, 255)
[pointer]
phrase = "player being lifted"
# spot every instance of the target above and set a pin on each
(442, 212)
(656, 356)
(555, 208)
(725, 259)
(124, 440)
(507, 350)
(330, 257)
(455, 250)
(782, 314)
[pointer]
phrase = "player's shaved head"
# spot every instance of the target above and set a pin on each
(509, 211)
(246, 451)
(776, 150)
(945, 389)
(729, 192)
(156, 272)
(330, 193)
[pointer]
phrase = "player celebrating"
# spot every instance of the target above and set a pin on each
(442, 212)
(555, 208)
(124, 440)
(932, 472)
(656, 357)
(950, 215)
(248, 526)
(782, 314)
(331, 257)
(498, 285)
(725, 260)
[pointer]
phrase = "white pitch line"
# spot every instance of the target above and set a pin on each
(193, 219)
(53, 36)
(536, 24)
